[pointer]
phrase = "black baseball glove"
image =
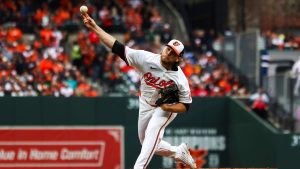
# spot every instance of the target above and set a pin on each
(169, 94)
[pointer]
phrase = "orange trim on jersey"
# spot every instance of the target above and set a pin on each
(148, 159)
(175, 50)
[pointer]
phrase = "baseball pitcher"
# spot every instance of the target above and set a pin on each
(164, 93)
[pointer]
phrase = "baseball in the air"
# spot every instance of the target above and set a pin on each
(83, 9)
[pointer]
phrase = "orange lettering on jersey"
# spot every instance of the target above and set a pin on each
(162, 83)
(155, 82)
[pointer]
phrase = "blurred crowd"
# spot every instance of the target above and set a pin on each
(281, 41)
(46, 51)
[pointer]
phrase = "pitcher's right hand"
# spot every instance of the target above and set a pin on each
(88, 21)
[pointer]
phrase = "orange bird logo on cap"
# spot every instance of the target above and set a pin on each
(176, 43)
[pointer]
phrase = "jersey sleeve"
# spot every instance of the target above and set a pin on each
(136, 58)
(185, 92)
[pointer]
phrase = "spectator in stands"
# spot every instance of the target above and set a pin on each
(14, 34)
(259, 103)
(166, 34)
(106, 18)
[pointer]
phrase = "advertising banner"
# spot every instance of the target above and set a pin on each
(62, 147)
(208, 146)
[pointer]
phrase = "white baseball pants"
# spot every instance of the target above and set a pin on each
(151, 126)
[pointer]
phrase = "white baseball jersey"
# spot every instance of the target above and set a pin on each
(154, 76)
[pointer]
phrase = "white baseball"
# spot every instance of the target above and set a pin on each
(83, 9)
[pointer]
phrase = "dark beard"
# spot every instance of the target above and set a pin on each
(170, 66)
